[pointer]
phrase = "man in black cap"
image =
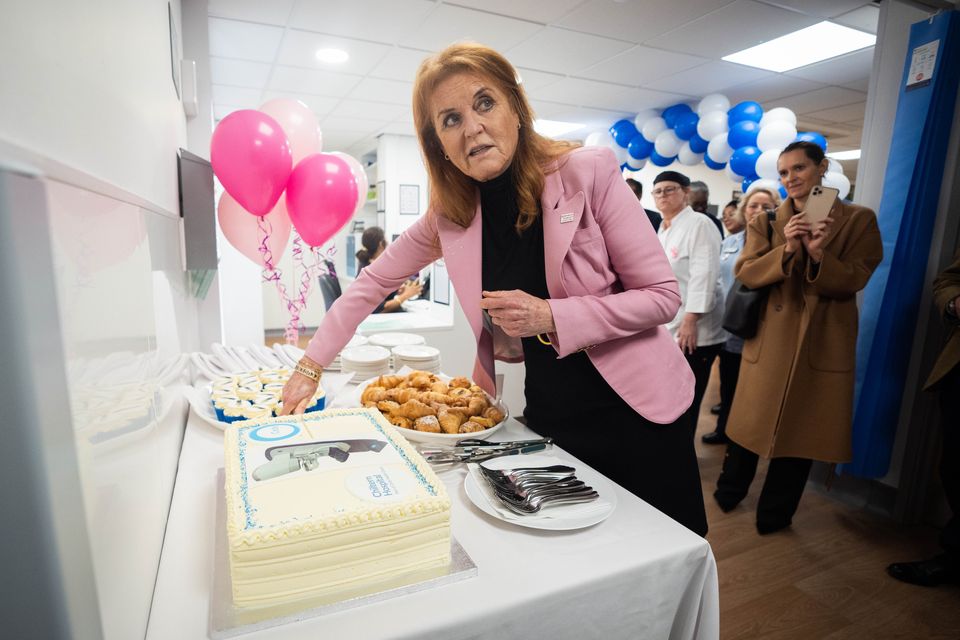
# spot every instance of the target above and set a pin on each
(692, 245)
(638, 191)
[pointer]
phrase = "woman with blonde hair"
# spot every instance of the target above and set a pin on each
(794, 399)
(758, 200)
(555, 264)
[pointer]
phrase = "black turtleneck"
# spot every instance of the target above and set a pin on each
(516, 261)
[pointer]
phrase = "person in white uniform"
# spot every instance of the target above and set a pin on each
(692, 245)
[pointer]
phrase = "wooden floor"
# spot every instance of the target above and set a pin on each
(824, 577)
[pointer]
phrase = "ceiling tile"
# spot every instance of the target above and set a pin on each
(865, 18)
(536, 79)
(379, 90)
(449, 24)
(770, 89)
(244, 40)
(592, 119)
(400, 128)
(341, 140)
(320, 105)
(589, 93)
(563, 51)
(549, 110)
(273, 12)
(850, 67)
(239, 73)
(636, 21)
(858, 85)
(819, 99)
(221, 111)
(369, 110)
(334, 123)
(300, 47)
(241, 97)
(532, 10)
(315, 81)
(400, 64)
(845, 114)
(377, 20)
(641, 65)
(820, 8)
(739, 25)
(709, 78)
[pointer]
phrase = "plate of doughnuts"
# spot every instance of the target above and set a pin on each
(433, 408)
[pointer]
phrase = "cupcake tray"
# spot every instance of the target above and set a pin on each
(228, 621)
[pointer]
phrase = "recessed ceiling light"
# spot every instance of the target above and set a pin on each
(553, 128)
(332, 56)
(853, 154)
(818, 42)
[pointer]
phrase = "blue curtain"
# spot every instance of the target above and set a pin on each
(907, 212)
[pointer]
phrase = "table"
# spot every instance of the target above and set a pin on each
(638, 574)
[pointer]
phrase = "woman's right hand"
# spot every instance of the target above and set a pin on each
(795, 230)
(297, 394)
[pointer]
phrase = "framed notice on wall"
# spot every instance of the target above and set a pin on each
(410, 199)
(381, 196)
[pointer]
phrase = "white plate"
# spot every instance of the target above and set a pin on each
(448, 439)
(368, 355)
(559, 523)
(416, 352)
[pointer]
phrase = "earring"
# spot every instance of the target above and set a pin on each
(446, 157)
(518, 125)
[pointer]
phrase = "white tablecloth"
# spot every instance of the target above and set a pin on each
(638, 574)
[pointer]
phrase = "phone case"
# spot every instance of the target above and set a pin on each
(820, 202)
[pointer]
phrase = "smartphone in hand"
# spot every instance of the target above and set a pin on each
(819, 203)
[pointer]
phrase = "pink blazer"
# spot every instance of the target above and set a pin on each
(611, 287)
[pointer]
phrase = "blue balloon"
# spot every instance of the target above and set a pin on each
(747, 182)
(670, 114)
(814, 137)
(625, 166)
(743, 162)
(743, 134)
(659, 160)
(623, 131)
(698, 144)
(686, 125)
(783, 192)
(639, 148)
(710, 162)
(746, 110)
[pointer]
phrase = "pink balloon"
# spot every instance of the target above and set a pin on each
(241, 230)
(321, 197)
(298, 122)
(251, 157)
(357, 169)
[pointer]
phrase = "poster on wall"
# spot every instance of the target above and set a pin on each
(410, 199)
(381, 196)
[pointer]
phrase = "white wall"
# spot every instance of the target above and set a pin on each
(89, 102)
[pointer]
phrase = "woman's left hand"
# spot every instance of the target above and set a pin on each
(518, 313)
(814, 242)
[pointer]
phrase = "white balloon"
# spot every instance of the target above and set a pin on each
(767, 164)
(635, 164)
(667, 143)
(621, 153)
(711, 125)
(719, 149)
(600, 139)
(359, 174)
(686, 156)
(778, 114)
(834, 166)
(713, 102)
(652, 128)
(641, 118)
(837, 181)
(730, 174)
(772, 185)
(776, 135)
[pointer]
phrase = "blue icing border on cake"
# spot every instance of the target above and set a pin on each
(249, 510)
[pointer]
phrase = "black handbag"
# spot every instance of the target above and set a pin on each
(741, 313)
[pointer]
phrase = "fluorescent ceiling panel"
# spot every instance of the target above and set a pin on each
(821, 41)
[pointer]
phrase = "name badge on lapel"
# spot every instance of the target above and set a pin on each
(566, 217)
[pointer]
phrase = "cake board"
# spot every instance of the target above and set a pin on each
(228, 620)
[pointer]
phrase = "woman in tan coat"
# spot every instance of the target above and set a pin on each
(794, 397)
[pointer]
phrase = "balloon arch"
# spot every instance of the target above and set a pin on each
(743, 141)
